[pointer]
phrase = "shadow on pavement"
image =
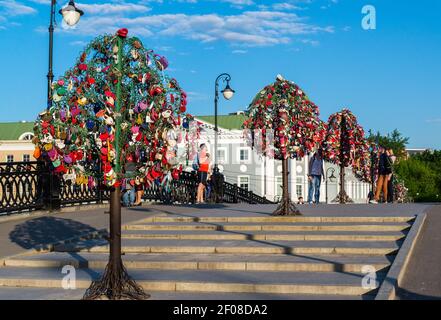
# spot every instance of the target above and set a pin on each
(40, 232)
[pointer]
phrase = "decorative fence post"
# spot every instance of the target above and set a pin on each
(235, 196)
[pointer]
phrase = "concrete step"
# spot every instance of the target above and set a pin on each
(321, 283)
(271, 219)
(238, 247)
(269, 227)
(29, 293)
(277, 262)
(264, 235)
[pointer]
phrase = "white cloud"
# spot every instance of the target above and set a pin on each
(313, 43)
(78, 43)
(113, 8)
(14, 8)
(285, 6)
(239, 51)
(249, 28)
(41, 1)
(435, 120)
(196, 96)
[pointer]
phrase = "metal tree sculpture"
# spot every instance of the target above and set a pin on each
(345, 145)
(114, 107)
(283, 123)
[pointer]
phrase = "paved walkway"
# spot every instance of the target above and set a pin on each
(423, 274)
(422, 281)
(36, 229)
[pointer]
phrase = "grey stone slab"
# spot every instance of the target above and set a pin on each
(307, 210)
(404, 225)
(257, 243)
(209, 276)
(269, 232)
(285, 258)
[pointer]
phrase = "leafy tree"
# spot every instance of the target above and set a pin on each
(394, 140)
(420, 178)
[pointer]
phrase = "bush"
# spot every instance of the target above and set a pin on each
(420, 177)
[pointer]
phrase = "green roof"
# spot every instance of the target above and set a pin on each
(13, 130)
(229, 122)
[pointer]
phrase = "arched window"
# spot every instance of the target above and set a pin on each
(27, 136)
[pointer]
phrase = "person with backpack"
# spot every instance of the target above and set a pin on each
(384, 171)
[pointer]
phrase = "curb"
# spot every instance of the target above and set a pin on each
(392, 281)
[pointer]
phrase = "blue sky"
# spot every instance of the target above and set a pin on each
(389, 77)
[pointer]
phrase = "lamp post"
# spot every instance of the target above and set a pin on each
(228, 93)
(332, 178)
(71, 15)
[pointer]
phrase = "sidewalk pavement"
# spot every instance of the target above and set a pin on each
(35, 229)
(422, 280)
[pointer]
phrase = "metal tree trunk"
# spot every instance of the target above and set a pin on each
(286, 206)
(116, 283)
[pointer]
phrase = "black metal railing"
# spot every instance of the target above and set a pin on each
(235, 194)
(20, 187)
(27, 186)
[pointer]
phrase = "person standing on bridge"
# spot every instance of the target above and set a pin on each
(316, 172)
(202, 165)
(384, 171)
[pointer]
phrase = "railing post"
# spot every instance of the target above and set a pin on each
(100, 186)
(235, 194)
(51, 188)
(194, 181)
(55, 192)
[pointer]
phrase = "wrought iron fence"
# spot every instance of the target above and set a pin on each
(20, 186)
(27, 186)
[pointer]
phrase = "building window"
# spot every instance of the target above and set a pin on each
(26, 158)
(244, 154)
(279, 185)
(244, 182)
(299, 187)
(27, 136)
(10, 158)
(222, 155)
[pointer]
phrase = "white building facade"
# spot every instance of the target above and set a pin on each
(243, 166)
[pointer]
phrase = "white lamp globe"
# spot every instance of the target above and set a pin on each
(228, 92)
(71, 14)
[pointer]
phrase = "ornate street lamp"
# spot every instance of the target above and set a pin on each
(228, 94)
(71, 15)
(332, 178)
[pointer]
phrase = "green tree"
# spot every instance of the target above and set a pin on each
(394, 140)
(420, 178)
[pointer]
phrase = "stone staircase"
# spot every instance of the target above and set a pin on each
(226, 255)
